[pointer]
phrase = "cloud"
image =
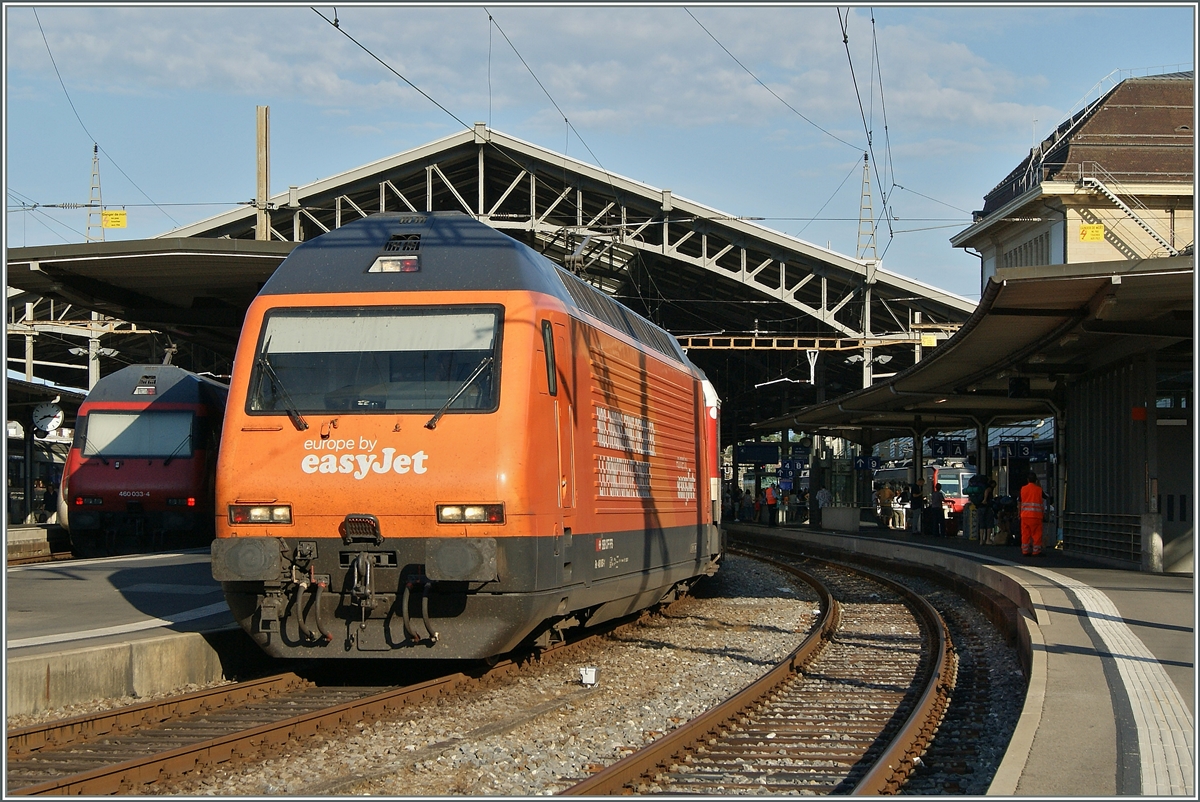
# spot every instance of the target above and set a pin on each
(616, 68)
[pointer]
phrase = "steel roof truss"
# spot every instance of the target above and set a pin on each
(386, 184)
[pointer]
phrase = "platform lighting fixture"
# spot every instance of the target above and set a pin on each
(78, 351)
(882, 359)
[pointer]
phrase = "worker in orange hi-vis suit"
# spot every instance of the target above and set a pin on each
(1032, 505)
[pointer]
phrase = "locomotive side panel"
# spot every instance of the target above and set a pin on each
(641, 523)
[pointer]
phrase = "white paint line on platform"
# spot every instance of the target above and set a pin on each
(151, 623)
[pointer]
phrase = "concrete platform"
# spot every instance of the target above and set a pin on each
(1110, 654)
(136, 625)
(36, 540)
(1109, 708)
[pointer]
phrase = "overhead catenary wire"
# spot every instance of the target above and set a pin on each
(85, 128)
(569, 125)
(764, 86)
(336, 24)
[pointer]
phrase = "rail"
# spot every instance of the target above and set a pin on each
(890, 767)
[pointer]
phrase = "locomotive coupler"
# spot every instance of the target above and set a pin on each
(269, 611)
(362, 591)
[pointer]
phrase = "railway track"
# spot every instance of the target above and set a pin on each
(123, 750)
(761, 740)
(851, 710)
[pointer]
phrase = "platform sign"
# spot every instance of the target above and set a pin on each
(1015, 448)
(758, 454)
(947, 448)
(867, 463)
(785, 484)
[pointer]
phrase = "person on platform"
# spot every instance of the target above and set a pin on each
(772, 498)
(823, 499)
(883, 498)
(937, 511)
(1032, 513)
(916, 506)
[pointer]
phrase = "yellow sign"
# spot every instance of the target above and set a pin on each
(928, 341)
(115, 219)
(1091, 233)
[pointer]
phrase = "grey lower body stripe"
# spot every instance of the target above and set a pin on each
(1165, 728)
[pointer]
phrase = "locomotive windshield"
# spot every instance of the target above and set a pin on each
(376, 359)
(138, 434)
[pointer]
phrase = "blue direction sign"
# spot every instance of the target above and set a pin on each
(866, 463)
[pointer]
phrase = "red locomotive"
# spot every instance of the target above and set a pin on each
(141, 470)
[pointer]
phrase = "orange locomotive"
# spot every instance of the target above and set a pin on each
(439, 444)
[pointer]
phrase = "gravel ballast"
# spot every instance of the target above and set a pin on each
(546, 730)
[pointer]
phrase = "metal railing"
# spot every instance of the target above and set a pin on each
(1115, 536)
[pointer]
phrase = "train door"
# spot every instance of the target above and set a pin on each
(558, 378)
(559, 372)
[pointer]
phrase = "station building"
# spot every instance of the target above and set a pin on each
(1087, 316)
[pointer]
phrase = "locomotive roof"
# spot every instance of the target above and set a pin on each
(452, 251)
(162, 383)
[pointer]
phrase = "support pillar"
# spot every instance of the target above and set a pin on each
(27, 506)
(93, 354)
(262, 228)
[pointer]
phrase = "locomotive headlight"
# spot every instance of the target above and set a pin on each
(260, 514)
(470, 513)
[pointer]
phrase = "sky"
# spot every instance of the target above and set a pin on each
(758, 111)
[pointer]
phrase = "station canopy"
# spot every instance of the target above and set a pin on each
(745, 301)
(1034, 328)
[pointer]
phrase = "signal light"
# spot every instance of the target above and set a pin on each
(470, 513)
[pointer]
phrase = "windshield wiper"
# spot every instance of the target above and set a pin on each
(432, 423)
(86, 444)
(173, 454)
(297, 419)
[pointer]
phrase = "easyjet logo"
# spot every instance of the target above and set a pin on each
(359, 465)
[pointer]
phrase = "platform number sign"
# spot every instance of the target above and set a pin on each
(866, 463)
(948, 448)
(1016, 448)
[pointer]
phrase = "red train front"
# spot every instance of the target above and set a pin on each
(140, 472)
(439, 444)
